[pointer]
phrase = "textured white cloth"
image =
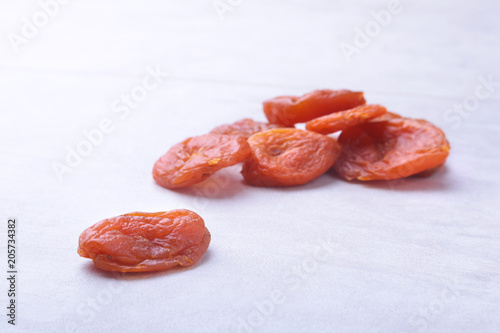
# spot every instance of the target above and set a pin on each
(417, 255)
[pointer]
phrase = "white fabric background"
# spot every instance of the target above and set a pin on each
(418, 255)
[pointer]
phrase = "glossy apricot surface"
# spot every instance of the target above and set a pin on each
(141, 242)
(391, 149)
(195, 159)
(288, 157)
(290, 110)
(341, 120)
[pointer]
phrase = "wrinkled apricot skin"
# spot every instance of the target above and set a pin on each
(386, 116)
(339, 121)
(290, 110)
(288, 157)
(391, 149)
(144, 242)
(245, 127)
(195, 159)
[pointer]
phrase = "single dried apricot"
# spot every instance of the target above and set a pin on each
(142, 242)
(391, 149)
(341, 120)
(195, 159)
(288, 156)
(245, 127)
(290, 110)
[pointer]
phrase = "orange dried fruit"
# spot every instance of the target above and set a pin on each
(386, 116)
(391, 149)
(290, 110)
(339, 121)
(142, 242)
(245, 127)
(288, 157)
(195, 159)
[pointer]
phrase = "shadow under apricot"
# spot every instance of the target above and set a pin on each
(434, 182)
(90, 268)
(222, 184)
(320, 182)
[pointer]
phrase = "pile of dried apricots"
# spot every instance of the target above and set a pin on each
(374, 144)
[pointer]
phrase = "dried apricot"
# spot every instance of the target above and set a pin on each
(391, 149)
(288, 156)
(142, 242)
(341, 120)
(290, 110)
(245, 127)
(195, 159)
